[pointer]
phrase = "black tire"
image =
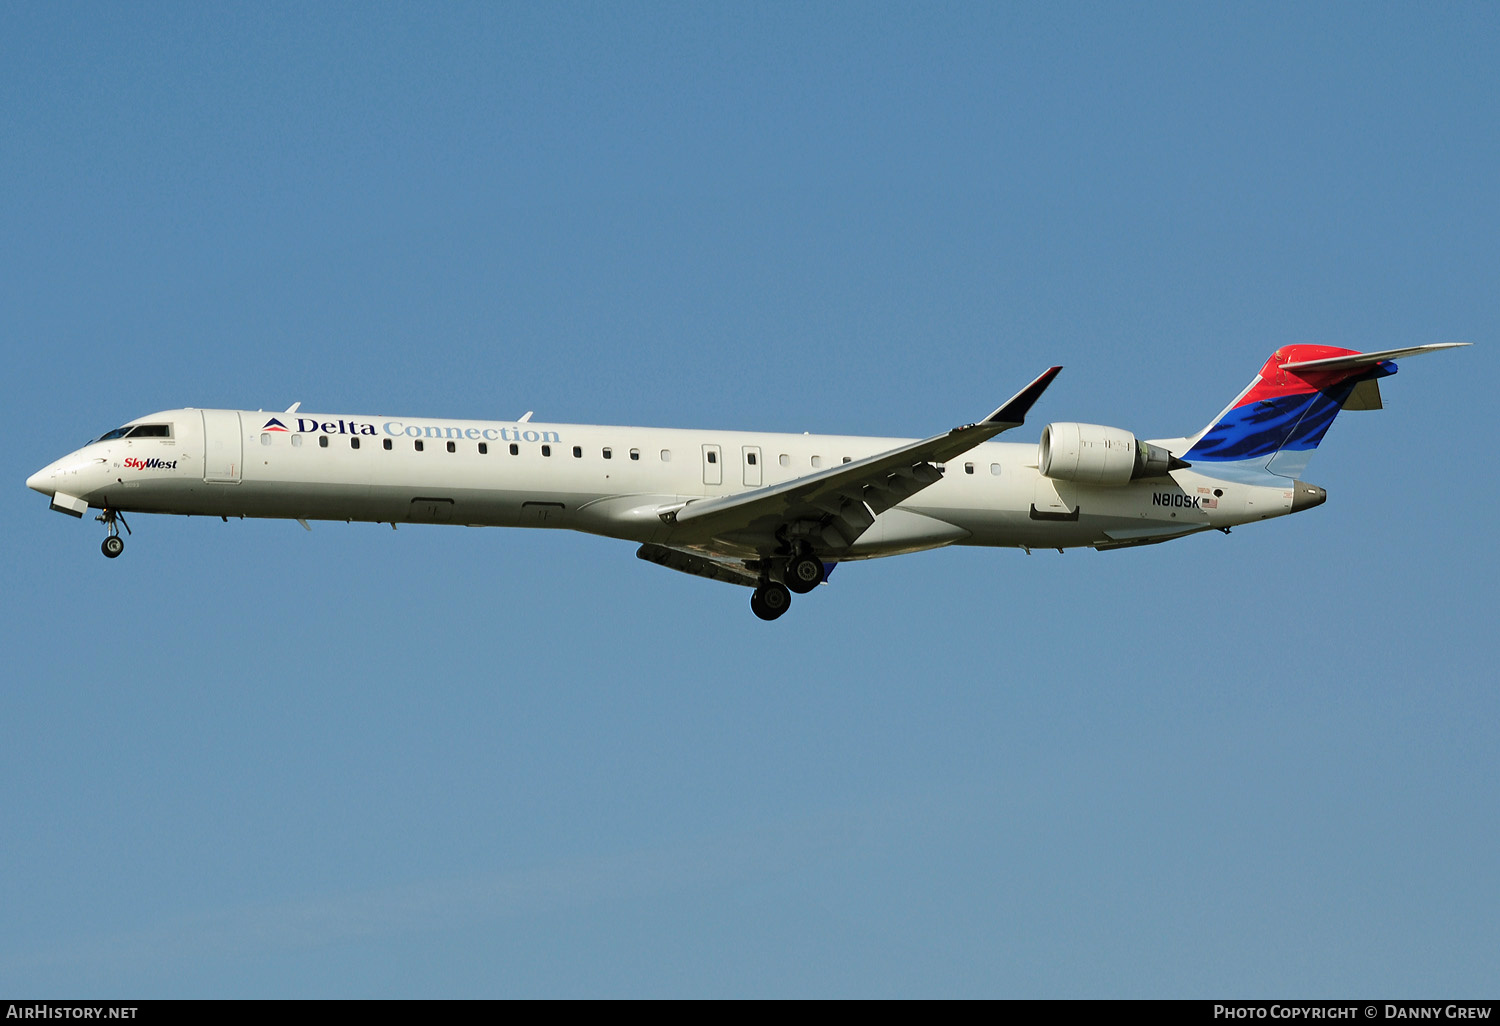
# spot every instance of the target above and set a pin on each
(770, 600)
(113, 546)
(804, 573)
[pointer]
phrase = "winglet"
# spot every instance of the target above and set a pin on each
(1014, 412)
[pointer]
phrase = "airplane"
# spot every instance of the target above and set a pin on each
(773, 512)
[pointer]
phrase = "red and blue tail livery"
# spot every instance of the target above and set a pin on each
(1275, 423)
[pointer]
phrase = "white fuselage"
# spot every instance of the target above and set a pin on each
(613, 481)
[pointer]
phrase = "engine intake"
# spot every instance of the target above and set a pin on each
(1098, 455)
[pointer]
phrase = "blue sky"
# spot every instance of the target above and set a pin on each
(247, 760)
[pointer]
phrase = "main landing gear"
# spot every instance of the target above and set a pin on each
(800, 575)
(114, 544)
(770, 600)
(804, 573)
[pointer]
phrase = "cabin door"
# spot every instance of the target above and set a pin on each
(223, 447)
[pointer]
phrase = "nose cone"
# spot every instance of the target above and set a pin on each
(41, 481)
(1306, 496)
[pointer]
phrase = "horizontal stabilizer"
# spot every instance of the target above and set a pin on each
(1354, 360)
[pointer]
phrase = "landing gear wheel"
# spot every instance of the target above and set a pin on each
(804, 573)
(113, 521)
(770, 600)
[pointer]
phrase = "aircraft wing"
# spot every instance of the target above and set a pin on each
(833, 507)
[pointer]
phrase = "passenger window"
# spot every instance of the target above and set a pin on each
(635, 454)
(296, 441)
(995, 469)
(484, 448)
(546, 450)
(968, 468)
(515, 450)
(453, 447)
(354, 443)
(418, 444)
(322, 441)
(666, 455)
(387, 444)
(578, 452)
(265, 439)
(713, 457)
(750, 458)
(817, 461)
(785, 460)
(607, 454)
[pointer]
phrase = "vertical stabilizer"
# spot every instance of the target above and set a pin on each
(1279, 419)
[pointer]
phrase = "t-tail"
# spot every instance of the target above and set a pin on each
(1275, 424)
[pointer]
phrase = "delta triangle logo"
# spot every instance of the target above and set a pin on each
(274, 425)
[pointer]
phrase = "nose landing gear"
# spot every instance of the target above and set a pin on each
(114, 544)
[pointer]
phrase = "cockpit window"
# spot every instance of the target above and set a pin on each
(137, 431)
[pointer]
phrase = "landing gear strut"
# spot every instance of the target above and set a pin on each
(114, 544)
(770, 600)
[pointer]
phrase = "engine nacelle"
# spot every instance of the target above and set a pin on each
(1097, 455)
